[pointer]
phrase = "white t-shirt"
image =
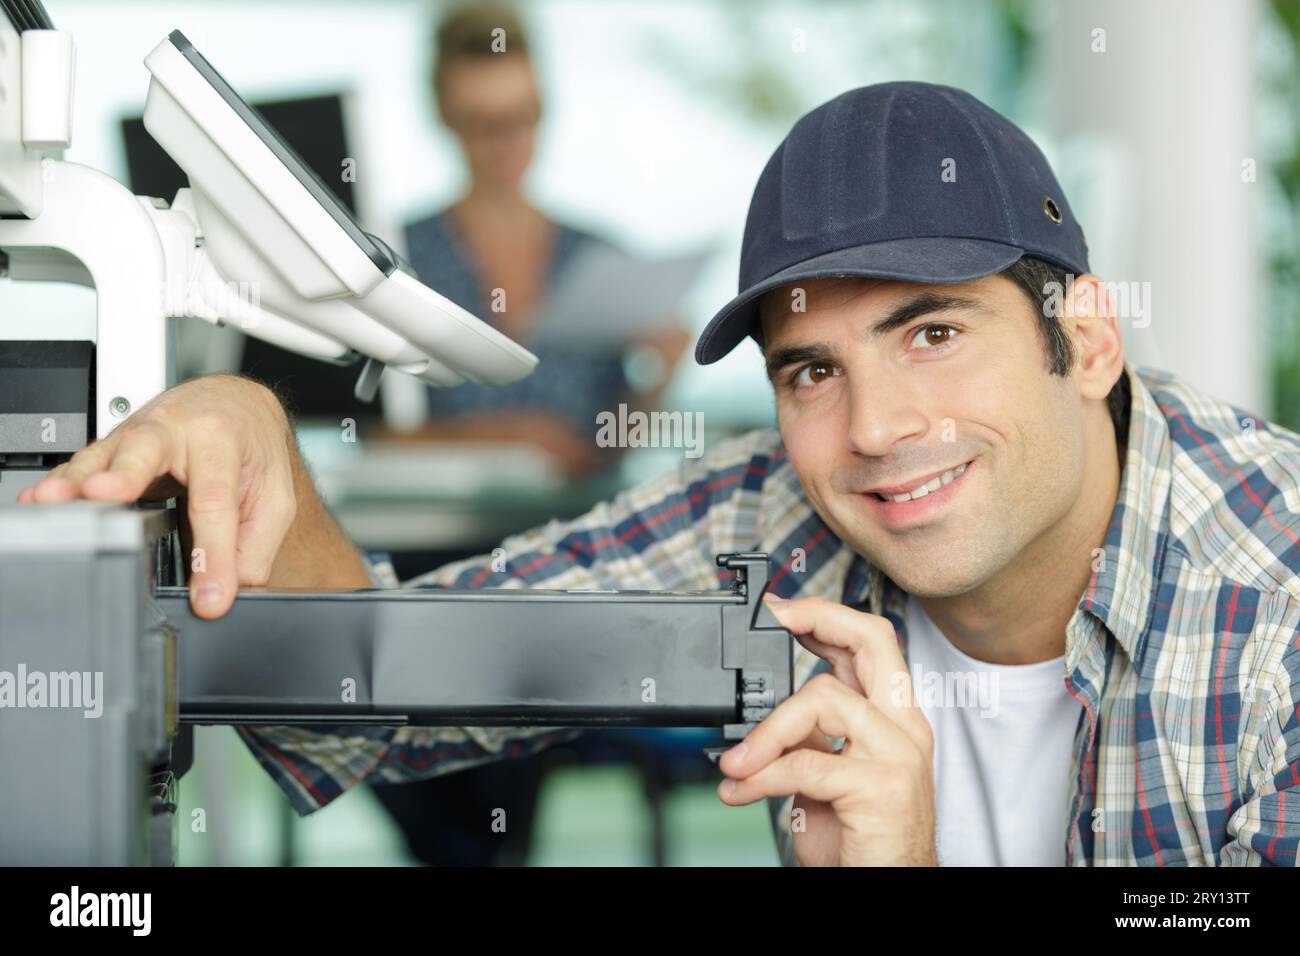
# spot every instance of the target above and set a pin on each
(1003, 738)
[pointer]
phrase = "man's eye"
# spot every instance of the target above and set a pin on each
(814, 374)
(933, 336)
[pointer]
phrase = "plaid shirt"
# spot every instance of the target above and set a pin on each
(1184, 649)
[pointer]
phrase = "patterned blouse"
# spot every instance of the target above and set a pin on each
(570, 382)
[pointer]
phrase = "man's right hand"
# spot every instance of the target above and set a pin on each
(226, 444)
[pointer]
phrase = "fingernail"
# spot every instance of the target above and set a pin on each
(208, 593)
(774, 599)
(729, 788)
(739, 752)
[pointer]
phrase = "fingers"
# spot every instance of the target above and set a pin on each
(64, 482)
(212, 467)
(842, 663)
(118, 468)
(143, 453)
(863, 652)
(28, 495)
(825, 777)
(265, 526)
(225, 441)
(823, 705)
(817, 741)
(865, 642)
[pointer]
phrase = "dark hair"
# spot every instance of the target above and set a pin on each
(1041, 281)
(468, 33)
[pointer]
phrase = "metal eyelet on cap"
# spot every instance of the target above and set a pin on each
(1052, 209)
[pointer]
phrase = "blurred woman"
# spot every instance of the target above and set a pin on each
(494, 253)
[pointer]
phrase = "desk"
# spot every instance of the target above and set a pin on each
(449, 497)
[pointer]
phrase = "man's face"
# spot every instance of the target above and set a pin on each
(885, 386)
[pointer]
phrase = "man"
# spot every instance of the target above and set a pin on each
(966, 477)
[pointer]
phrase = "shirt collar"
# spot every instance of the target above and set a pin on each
(1122, 590)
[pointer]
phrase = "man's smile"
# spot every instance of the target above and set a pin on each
(902, 507)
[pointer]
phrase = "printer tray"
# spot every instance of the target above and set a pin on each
(487, 657)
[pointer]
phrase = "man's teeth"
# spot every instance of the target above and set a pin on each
(932, 485)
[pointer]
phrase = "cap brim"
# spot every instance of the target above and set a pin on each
(942, 261)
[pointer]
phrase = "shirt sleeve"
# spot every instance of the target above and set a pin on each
(661, 535)
(1265, 829)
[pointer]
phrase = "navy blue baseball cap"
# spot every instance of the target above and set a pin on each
(907, 181)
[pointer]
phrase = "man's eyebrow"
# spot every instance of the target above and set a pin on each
(923, 304)
(898, 317)
(788, 355)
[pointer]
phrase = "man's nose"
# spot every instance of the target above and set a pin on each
(883, 411)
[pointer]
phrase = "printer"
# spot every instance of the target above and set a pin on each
(103, 669)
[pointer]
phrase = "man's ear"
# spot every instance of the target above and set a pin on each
(1090, 318)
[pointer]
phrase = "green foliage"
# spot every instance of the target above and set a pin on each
(1284, 259)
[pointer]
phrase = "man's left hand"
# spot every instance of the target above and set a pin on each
(872, 801)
